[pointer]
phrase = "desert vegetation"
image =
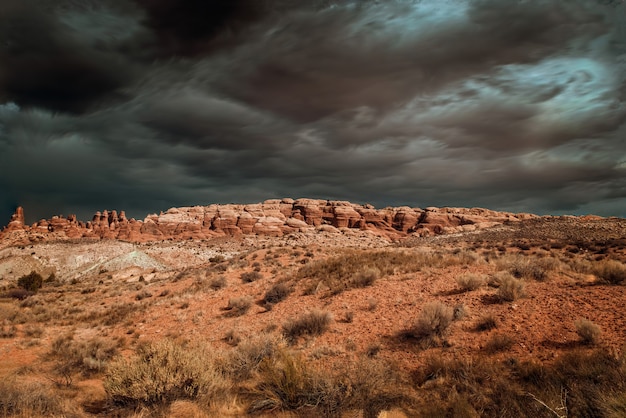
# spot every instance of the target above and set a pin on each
(492, 324)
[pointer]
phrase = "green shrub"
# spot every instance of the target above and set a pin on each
(31, 282)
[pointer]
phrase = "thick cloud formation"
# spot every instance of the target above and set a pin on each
(142, 105)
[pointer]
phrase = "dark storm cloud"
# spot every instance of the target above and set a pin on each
(143, 105)
(47, 63)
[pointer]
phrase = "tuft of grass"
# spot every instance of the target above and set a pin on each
(511, 289)
(251, 276)
(312, 323)
(277, 293)
(588, 332)
(432, 323)
(238, 306)
(87, 357)
(499, 342)
(218, 283)
(469, 281)
(486, 323)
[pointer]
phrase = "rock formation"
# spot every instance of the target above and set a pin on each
(276, 217)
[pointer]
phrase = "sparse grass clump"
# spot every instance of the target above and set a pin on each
(218, 283)
(312, 323)
(588, 332)
(499, 342)
(468, 281)
(87, 357)
(486, 323)
(432, 323)
(251, 276)
(277, 293)
(511, 289)
(238, 306)
(365, 277)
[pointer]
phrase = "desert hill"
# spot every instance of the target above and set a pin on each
(313, 308)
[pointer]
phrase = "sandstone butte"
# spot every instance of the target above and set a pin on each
(276, 217)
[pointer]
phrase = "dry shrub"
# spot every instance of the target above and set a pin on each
(87, 357)
(499, 342)
(511, 289)
(611, 271)
(163, 372)
(432, 323)
(277, 293)
(8, 331)
(242, 362)
(470, 281)
(19, 399)
(238, 306)
(588, 332)
(315, 322)
(218, 282)
(251, 276)
(486, 323)
(365, 277)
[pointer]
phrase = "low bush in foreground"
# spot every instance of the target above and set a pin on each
(612, 271)
(19, 399)
(163, 372)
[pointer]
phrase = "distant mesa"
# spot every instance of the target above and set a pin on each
(275, 217)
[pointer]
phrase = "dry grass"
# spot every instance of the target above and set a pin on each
(611, 271)
(277, 293)
(238, 306)
(19, 399)
(511, 289)
(588, 332)
(312, 323)
(432, 323)
(486, 323)
(355, 269)
(469, 281)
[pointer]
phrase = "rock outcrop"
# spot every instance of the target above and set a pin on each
(276, 217)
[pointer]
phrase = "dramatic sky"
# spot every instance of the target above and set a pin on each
(141, 105)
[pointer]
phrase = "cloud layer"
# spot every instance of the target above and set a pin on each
(143, 105)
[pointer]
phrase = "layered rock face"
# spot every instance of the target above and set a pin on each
(276, 217)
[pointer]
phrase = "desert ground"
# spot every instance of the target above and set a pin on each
(522, 319)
